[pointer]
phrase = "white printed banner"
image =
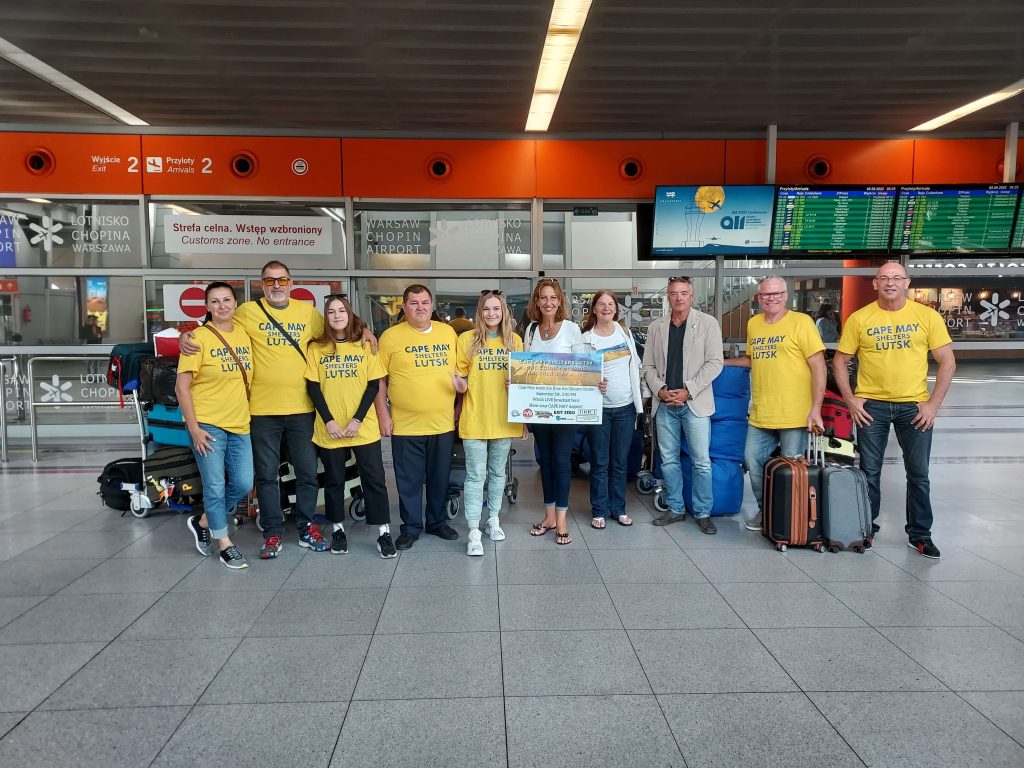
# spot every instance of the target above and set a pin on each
(268, 235)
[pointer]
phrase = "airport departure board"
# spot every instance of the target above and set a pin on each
(955, 219)
(1017, 244)
(833, 219)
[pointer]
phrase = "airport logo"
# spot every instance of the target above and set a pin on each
(46, 233)
(154, 165)
(994, 310)
(55, 391)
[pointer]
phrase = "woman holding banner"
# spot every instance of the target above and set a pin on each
(551, 330)
(483, 426)
(611, 439)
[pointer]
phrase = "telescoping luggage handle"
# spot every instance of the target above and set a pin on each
(815, 452)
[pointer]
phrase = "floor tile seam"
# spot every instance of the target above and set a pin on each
(992, 562)
(366, 655)
(18, 616)
(501, 651)
(985, 621)
(1011, 737)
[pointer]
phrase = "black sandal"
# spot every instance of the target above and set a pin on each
(563, 538)
(539, 529)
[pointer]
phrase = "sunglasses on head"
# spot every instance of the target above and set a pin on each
(487, 291)
(681, 279)
(269, 281)
(332, 296)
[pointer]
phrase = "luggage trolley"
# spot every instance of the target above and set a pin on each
(456, 481)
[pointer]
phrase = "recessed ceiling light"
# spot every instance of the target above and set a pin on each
(985, 101)
(58, 79)
(564, 30)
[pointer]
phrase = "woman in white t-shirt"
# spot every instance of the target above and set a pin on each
(611, 439)
(551, 330)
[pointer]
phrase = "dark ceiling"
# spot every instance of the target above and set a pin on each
(467, 68)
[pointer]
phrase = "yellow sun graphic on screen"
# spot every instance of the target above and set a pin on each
(709, 199)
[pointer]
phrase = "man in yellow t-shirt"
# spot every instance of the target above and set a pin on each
(460, 322)
(419, 356)
(279, 405)
(787, 383)
(891, 338)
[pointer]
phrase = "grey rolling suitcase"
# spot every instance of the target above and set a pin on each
(846, 515)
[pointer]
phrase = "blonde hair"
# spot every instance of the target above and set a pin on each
(505, 331)
(533, 311)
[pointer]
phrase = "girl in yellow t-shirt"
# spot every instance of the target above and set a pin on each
(343, 381)
(213, 391)
(482, 365)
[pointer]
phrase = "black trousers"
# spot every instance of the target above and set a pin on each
(371, 476)
(424, 460)
(267, 433)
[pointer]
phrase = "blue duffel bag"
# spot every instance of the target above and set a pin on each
(732, 394)
(726, 485)
(167, 426)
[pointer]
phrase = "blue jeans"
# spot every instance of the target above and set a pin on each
(554, 442)
(669, 421)
(296, 429)
(609, 449)
(485, 461)
(227, 476)
(758, 449)
(917, 450)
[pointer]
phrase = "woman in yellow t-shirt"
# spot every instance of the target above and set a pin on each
(482, 365)
(343, 380)
(213, 391)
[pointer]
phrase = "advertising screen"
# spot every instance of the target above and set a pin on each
(972, 219)
(708, 220)
(816, 220)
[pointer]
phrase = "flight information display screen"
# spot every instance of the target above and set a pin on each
(955, 219)
(833, 219)
(1017, 244)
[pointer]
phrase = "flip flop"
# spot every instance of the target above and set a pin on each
(624, 520)
(563, 538)
(598, 523)
(539, 529)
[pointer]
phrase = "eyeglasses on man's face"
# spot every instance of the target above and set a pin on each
(270, 281)
(891, 279)
(768, 295)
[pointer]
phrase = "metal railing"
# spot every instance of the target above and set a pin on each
(3, 404)
(33, 404)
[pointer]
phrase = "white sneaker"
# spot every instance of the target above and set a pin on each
(494, 531)
(474, 547)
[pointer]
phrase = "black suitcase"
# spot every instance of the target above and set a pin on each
(792, 501)
(157, 379)
(172, 467)
(114, 474)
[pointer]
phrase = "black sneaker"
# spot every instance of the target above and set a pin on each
(385, 546)
(706, 526)
(405, 541)
(339, 543)
(445, 532)
(925, 547)
(233, 559)
(875, 528)
(201, 534)
(669, 517)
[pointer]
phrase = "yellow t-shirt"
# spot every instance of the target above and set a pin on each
(218, 392)
(343, 376)
(485, 408)
(461, 325)
(892, 350)
(780, 379)
(279, 387)
(420, 368)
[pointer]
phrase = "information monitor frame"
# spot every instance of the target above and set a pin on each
(802, 252)
(896, 247)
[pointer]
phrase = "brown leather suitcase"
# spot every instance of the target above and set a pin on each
(792, 501)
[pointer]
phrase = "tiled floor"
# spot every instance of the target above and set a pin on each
(121, 646)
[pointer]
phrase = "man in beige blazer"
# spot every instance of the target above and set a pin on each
(683, 356)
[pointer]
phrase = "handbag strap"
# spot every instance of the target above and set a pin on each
(279, 327)
(238, 362)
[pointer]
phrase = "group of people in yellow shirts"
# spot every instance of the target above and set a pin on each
(275, 372)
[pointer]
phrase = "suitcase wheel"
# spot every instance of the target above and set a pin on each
(357, 509)
(819, 547)
(452, 508)
(833, 548)
(644, 482)
(512, 491)
(660, 502)
(858, 548)
(138, 509)
(782, 547)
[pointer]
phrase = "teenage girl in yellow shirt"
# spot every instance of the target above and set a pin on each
(482, 366)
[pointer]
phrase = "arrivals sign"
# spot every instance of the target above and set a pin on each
(555, 388)
(267, 235)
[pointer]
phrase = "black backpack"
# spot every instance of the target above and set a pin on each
(116, 472)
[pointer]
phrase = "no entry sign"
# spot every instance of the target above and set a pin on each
(184, 302)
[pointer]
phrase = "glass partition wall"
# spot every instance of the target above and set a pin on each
(80, 273)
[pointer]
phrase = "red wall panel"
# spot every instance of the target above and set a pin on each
(73, 164)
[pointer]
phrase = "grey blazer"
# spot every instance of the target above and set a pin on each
(702, 359)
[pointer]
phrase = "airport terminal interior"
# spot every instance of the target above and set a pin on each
(147, 149)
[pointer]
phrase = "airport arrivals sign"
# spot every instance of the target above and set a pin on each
(268, 235)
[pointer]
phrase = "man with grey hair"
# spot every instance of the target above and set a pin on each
(787, 380)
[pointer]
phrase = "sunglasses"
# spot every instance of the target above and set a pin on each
(332, 296)
(282, 281)
(681, 279)
(489, 291)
